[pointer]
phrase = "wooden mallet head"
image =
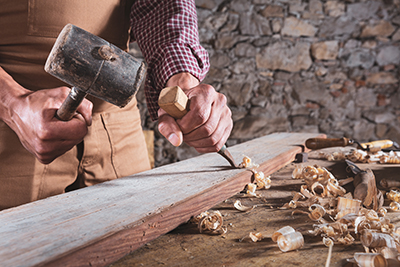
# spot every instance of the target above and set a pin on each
(93, 66)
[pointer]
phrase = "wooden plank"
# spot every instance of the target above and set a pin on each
(97, 225)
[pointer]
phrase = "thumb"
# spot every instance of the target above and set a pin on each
(170, 129)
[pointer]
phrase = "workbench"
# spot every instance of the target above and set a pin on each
(185, 246)
(142, 220)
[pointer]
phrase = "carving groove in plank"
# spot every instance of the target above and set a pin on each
(97, 225)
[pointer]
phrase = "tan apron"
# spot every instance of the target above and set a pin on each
(114, 146)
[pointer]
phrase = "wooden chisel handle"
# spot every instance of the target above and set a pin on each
(375, 146)
(174, 101)
(318, 143)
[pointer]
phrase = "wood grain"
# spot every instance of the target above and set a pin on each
(174, 101)
(96, 226)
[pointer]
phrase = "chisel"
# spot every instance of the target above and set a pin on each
(318, 143)
(174, 101)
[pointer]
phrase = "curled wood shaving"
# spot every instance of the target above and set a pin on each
(329, 243)
(334, 189)
(346, 240)
(382, 212)
(290, 241)
(210, 222)
(393, 195)
(394, 206)
(390, 254)
(256, 236)
(319, 180)
(389, 184)
(336, 156)
(356, 155)
(390, 158)
(239, 206)
(346, 206)
(260, 180)
(376, 240)
(370, 259)
(247, 163)
(251, 190)
(282, 231)
(316, 212)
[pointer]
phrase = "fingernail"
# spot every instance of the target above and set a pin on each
(174, 139)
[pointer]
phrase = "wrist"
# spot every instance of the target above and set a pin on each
(10, 92)
(184, 80)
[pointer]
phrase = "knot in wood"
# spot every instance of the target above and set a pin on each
(105, 52)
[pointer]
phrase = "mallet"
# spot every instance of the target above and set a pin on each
(92, 66)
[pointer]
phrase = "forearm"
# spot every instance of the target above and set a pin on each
(167, 34)
(10, 90)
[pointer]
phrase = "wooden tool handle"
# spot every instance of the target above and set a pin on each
(375, 146)
(318, 143)
(70, 105)
(174, 101)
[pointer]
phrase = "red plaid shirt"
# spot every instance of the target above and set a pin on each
(166, 32)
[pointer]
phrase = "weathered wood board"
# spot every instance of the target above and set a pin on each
(98, 225)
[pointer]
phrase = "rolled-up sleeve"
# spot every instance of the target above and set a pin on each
(167, 34)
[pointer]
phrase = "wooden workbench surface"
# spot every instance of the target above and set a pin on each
(185, 246)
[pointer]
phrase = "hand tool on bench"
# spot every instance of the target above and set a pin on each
(174, 101)
(92, 66)
(374, 146)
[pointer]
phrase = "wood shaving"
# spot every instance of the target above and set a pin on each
(329, 243)
(346, 206)
(390, 158)
(361, 156)
(316, 212)
(210, 222)
(247, 163)
(256, 236)
(251, 190)
(370, 259)
(389, 184)
(351, 217)
(283, 231)
(290, 241)
(376, 240)
(239, 206)
(394, 206)
(393, 195)
(260, 180)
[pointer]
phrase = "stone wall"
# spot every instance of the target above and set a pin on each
(301, 66)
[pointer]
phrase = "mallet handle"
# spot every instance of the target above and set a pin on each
(71, 104)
